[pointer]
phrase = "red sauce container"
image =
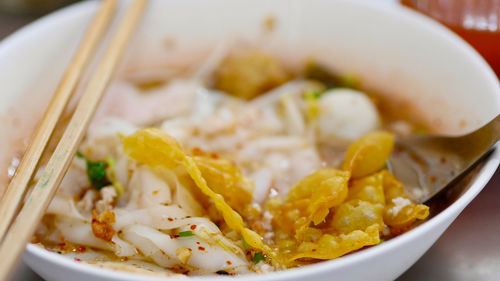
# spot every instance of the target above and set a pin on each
(476, 21)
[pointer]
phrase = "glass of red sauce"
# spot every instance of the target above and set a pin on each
(476, 21)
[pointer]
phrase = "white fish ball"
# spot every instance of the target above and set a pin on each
(346, 114)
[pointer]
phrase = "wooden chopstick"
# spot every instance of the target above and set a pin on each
(17, 188)
(26, 222)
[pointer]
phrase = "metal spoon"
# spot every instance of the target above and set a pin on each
(429, 165)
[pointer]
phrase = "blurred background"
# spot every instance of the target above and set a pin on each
(16, 13)
(32, 7)
(477, 21)
(470, 248)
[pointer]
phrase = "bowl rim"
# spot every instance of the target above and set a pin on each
(485, 173)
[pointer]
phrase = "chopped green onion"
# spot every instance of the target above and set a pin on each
(186, 233)
(80, 155)
(110, 161)
(119, 188)
(258, 257)
(313, 94)
(96, 172)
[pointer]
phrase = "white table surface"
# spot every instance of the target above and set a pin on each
(468, 250)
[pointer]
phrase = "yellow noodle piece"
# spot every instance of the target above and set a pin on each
(326, 188)
(364, 205)
(369, 189)
(249, 73)
(368, 154)
(158, 149)
(310, 200)
(400, 217)
(226, 179)
(334, 246)
(357, 215)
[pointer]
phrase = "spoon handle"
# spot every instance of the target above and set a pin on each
(427, 164)
(473, 145)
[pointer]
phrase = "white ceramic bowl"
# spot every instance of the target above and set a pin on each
(393, 50)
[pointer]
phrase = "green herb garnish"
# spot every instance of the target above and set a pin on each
(96, 172)
(313, 94)
(120, 189)
(258, 257)
(186, 233)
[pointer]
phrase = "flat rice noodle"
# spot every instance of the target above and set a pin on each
(123, 248)
(160, 217)
(150, 189)
(162, 249)
(157, 149)
(64, 207)
(334, 246)
(165, 218)
(368, 154)
(80, 232)
(144, 239)
(183, 196)
(293, 117)
(408, 214)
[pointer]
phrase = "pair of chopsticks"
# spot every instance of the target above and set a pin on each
(15, 232)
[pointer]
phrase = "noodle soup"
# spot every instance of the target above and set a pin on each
(244, 166)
